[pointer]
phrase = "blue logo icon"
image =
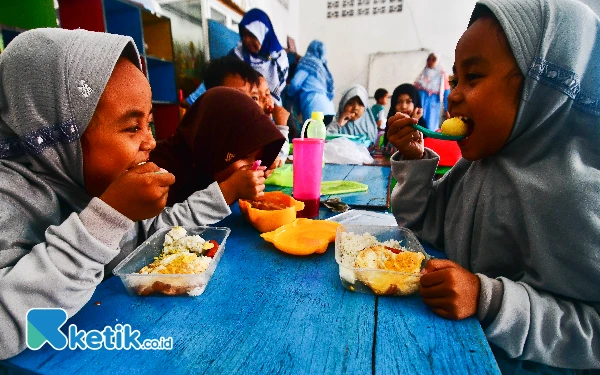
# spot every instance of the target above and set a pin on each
(43, 326)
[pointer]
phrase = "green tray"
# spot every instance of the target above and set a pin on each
(329, 137)
(342, 187)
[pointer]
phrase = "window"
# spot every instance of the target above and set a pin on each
(218, 16)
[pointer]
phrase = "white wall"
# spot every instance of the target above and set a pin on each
(285, 21)
(430, 24)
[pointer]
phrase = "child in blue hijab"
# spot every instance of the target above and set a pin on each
(312, 86)
(261, 49)
(519, 215)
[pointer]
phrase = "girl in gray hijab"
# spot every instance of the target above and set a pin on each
(354, 117)
(519, 215)
(76, 195)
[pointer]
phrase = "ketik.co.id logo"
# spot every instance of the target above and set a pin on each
(43, 326)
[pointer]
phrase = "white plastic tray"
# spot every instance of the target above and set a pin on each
(365, 218)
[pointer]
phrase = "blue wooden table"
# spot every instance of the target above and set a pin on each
(376, 177)
(267, 312)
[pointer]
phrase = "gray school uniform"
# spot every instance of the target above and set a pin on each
(527, 219)
(365, 125)
(57, 243)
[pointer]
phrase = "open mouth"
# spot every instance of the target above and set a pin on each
(470, 125)
(135, 165)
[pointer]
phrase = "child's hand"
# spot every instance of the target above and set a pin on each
(417, 113)
(451, 291)
(280, 115)
(184, 104)
(346, 116)
(401, 134)
(276, 164)
(244, 184)
(139, 193)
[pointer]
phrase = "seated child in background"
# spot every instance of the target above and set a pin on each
(353, 117)
(218, 139)
(229, 71)
(74, 192)
(225, 71)
(278, 114)
(519, 215)
(381, 97)
(405, 99)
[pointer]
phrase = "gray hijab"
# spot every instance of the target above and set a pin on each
(366, 123)
(531, 212)
(50, 83)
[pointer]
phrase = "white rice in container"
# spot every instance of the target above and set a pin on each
(351, 244)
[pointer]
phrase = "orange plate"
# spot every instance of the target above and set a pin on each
(303, 236)
(265, 220)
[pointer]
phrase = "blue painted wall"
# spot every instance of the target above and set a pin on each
(221, 40)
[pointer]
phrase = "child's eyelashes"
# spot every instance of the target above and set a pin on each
(472, 76)
(137, 128)
(133, 129)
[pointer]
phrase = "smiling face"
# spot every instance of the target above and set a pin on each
(487, 90)
(250, 41)
(355, 107)
(118, 136)
(405, 104)
(265, 98)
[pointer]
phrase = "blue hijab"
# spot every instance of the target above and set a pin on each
(315, 63)
(268, 42)
(271, 60)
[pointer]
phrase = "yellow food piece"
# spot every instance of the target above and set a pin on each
(178, 264)
(454, 126)
(269, 220)
(303, 236)
(382, 282)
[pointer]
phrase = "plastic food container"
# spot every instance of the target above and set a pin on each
(375, 280)
(165, 284)
(269, 220)
(303, 236)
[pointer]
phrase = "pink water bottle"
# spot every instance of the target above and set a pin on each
(308, 170)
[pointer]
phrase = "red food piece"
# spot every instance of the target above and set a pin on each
(395, 251)
(211, 253)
